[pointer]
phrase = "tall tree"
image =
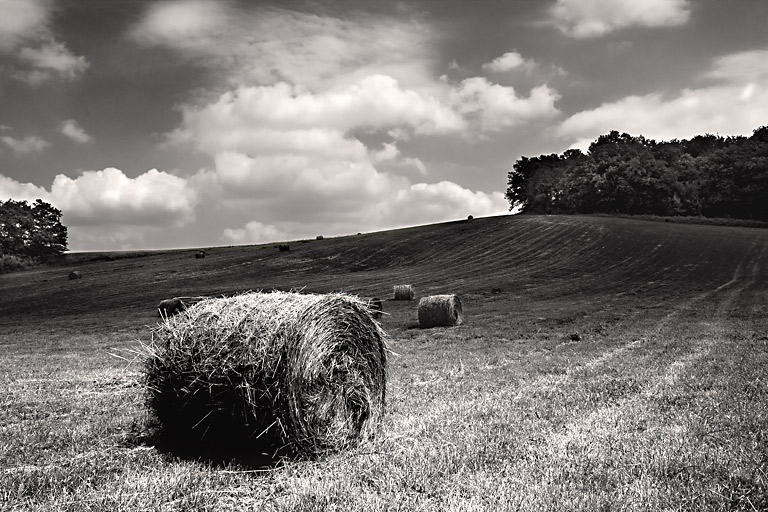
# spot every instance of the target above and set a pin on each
(31, 231)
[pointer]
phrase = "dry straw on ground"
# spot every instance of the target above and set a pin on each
(440, 311)
(303, 372)
(404, 292)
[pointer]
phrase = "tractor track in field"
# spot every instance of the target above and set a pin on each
(594, 427)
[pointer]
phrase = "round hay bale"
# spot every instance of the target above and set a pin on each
(302, 374)
(470, 217)
(75, 274)
(200, 254)
(440, 311)
(170, 307)
(319, 237)
(284, 247)
(375, 305)
(404, 292)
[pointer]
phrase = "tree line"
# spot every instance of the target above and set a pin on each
(30, 232)
(708, 175)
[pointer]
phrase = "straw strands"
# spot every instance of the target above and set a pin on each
(404, 292)
(302, 372)
(440, 311)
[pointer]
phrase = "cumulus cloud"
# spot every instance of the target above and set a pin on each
(594, 18)
(51, 59)
(71, 129)
(107, 210)
(254, 233)
(21, 20)
(276, 45)
(374, 101)
(26, 35)
(690, 112)
(436, 202)
(508, 62)
(27, 145)
(744, 67)
(12, 189)
(110, 197)
(496, 106)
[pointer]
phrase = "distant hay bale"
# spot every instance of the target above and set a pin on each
(284, 247)
(470, 217)
(258, 371)
(404, 292)
(199, 254)
(375, 305)
(319, 237)
(75, 274)
(440, 311)
(170, 307)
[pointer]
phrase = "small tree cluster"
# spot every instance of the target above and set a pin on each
(707, 175)
(31, 231)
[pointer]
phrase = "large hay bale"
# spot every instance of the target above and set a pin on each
(375, 306)
(261, 371)
(170, 307)
(440, 311)
(75, 274)
(319, 237)
(404, 292)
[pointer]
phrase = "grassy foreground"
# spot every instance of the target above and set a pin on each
(618, 365)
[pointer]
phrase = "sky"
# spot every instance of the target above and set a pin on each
(195, 123)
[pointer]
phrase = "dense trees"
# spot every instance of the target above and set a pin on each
(31, 231)
(707, 175)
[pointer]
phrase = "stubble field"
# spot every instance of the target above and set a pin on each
(605, 364)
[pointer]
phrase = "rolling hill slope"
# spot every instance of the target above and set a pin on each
(525, 256)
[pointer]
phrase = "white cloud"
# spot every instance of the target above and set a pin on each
(20, 20)
(110, 197)
(374, 101)
(387, 152)
(508, 62)
(26, 35)
(254, 233)
(12, 189)
(495, 106)
(71, 129)
(423, 203)
(736, 105)
(271, 45)
(594, 18)
(745, 67)
(27, 145)
(51, 59)
(107, 210)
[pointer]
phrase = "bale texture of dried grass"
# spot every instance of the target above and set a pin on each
(404, 292)
(303, 374)
(440, 311)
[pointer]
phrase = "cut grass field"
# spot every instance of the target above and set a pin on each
(623, 365)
